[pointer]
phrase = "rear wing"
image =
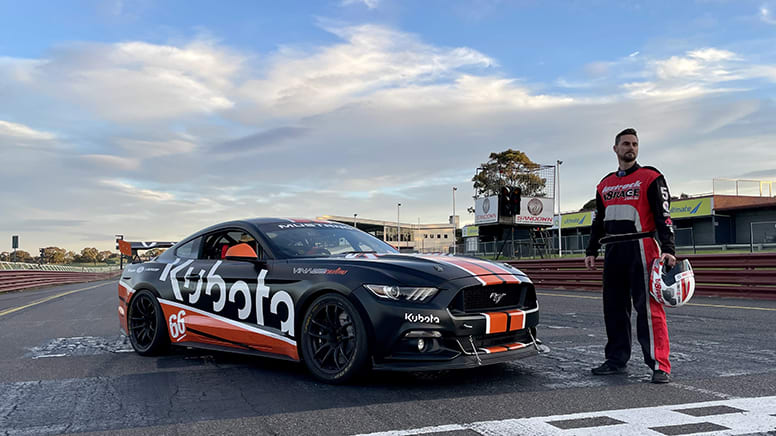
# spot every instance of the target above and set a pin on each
(130, 249)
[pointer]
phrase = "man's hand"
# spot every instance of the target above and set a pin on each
(590, 262)
(666, 258)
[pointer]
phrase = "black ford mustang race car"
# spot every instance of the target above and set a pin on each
(332, 296)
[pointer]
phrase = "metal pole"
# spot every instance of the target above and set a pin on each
(354, 220)
(560, 217)
(455, 227)
(398, 228)
(751, 238)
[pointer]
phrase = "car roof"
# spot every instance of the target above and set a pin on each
(255, 223)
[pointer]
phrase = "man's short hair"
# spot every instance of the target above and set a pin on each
(628, 131)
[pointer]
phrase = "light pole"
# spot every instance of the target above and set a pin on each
(354, 220)
(560, 217)
(455, 226)
(398, 227)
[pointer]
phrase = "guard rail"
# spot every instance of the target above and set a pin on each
(723, 275)
(14, 280)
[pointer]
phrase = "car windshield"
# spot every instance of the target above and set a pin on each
(320, 240)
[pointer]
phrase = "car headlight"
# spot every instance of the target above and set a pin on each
(406, 293)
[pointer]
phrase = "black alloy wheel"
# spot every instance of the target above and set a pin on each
(145, 322)
(334, 343)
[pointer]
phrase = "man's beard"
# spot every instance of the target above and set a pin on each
(628, 157)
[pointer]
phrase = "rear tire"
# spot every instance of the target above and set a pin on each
(146, 325)
(334, 342)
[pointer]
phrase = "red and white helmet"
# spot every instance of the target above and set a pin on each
(671, 287)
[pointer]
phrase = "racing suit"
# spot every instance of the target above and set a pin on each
(633, 201)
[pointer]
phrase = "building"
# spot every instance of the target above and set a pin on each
(423, 238)
(701, 220)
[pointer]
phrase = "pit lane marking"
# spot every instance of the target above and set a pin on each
(740, 416)
(49, 298)
(721, 306)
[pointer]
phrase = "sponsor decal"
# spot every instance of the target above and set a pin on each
(214, 282)
(140, 269)
(314, 226)
(421, 318)
(628, 191)
(338, 271)
(535, 206)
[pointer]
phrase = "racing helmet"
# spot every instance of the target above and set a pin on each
(671, 287)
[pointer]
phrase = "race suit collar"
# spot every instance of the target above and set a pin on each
(623, 173)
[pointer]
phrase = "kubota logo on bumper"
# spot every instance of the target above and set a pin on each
(421, 318)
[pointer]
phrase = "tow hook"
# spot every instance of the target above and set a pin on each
(476, 354)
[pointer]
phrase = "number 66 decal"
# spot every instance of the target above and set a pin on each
(177, 325)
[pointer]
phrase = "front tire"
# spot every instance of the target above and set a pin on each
(146, 325)
(334, 342)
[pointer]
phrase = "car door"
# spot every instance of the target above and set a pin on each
(231, 304)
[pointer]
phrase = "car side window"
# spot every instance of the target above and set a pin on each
(217, 244)
(189, 250)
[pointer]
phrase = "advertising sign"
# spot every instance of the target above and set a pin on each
(15, 241)
(535, 211)
(470, 231)
(691, 207)
(486, 210)
(579, 219)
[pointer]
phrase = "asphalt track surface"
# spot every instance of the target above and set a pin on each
(65, 368)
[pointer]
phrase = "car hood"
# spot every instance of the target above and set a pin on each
(440, 266)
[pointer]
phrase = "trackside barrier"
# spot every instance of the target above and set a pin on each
(723, 275)
(5, 266)
(14, 280)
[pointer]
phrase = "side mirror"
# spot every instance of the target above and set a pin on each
(242, 252)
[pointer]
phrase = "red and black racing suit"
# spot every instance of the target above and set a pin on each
(633, 201)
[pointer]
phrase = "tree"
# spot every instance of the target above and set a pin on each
(70, 257)
(102, 256)
(154, 252)
(590, 205)
(5, 256)
(21, 256)
(89, 254)
(509, 168)
(54, 254)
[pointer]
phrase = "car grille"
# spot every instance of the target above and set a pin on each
(477, 299)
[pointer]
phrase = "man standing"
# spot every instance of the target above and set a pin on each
(632, 210)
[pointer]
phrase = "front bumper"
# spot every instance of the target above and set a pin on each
(435, 337)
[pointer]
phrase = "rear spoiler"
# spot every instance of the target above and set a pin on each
(130, 249)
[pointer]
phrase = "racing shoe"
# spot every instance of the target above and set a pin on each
(660, 376)
(607, 368)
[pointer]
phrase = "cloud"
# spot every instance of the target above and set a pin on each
(135, 81)
(371, 4)
(766, 15)
(371, 59)
(20, 132)
(110, 161)
(261, 140)
(134, 191)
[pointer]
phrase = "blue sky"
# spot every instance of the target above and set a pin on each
(154, 119)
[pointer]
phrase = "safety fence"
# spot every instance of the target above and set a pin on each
(724, 275)
(5, 266)
(14, 280)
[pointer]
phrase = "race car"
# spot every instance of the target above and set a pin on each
(329, 295)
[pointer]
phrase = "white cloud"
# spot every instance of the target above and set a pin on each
(21, 132)
(371, 4)
(111, 161)
(134, 191)
(135, 81)
(766, 15)
(148, 148)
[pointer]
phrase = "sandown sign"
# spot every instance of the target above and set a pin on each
(579, 219)
(692, 207)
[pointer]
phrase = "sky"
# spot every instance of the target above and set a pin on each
(154, 119)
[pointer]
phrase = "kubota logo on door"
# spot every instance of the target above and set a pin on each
(214, 282)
